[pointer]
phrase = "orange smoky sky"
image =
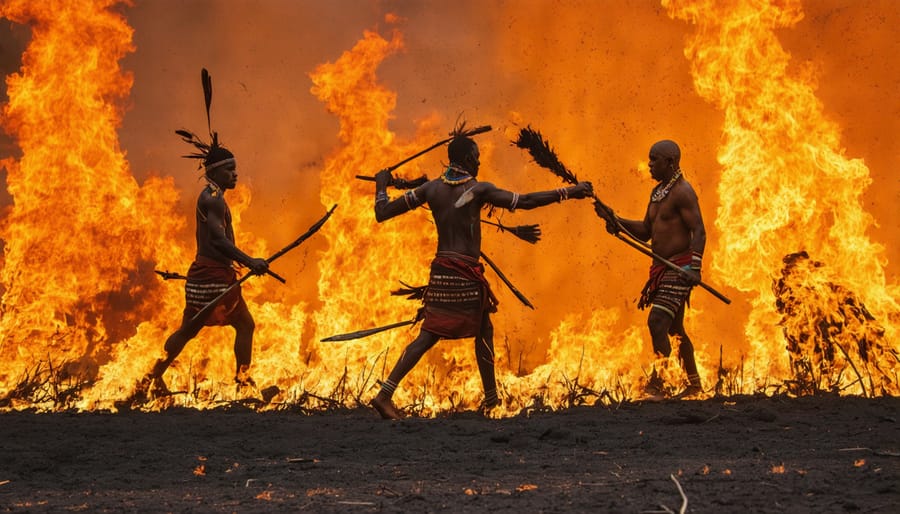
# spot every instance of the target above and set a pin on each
(602, 80)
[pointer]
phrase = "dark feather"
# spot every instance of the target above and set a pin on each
(207, 95)
(411, 292)
(540, 150)
(529, 233)
(191, 138)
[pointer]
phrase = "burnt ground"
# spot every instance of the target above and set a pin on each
(811, 454)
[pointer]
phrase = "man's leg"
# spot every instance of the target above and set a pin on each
(411, 355)
(153, 381)
(484, 355)
(686, 354)
(659, 322)
(244, 327)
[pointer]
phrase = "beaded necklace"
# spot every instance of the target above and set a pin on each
(448, 178)
(660, 194)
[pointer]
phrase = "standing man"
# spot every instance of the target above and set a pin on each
(675, 228)
(211, 273)
(458, 299)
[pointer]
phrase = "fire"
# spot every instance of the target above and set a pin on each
(786, 185)
(80, 239)
(84, 316)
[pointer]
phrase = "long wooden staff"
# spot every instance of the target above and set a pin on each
(506, 281)
(205, 311)
(466, 133)
(544, 156)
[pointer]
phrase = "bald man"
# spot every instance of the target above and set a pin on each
(675, 228)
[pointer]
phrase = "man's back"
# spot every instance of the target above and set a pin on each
(458, 228)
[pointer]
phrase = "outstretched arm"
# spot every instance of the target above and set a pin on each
(512, 201)
(385, 208)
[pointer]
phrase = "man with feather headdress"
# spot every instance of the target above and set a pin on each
(458, 300)
(212, 272)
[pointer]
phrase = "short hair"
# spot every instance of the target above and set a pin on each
(668, 148)
(459, 148)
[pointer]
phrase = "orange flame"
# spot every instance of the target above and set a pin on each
(84, 316)
(786, 185)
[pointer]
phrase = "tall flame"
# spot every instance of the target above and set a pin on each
(84, 316)
(81, 236)
(787, 185)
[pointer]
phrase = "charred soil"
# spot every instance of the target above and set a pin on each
(810, 454)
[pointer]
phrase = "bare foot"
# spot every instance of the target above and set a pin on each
(655, 390)
(385, 408)
(689, 391)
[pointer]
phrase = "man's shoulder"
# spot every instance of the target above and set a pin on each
(683, 187)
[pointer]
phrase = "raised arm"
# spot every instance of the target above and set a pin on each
(385, 208)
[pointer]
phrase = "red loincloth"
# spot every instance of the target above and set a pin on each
(457, 296)
(666, 287)
(207, 279)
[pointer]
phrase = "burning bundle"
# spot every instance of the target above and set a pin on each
(829, 332)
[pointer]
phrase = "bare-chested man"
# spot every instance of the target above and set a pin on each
(211, 273)
(458, 300)
(675, 228)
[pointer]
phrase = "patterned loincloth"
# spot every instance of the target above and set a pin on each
(667, 289)
(457, 296)
(207, 279)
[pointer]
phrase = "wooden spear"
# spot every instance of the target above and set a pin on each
(466, 133)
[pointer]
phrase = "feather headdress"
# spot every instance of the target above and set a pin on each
(209, 154)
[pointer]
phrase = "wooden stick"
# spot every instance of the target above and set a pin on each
(207, 309)
(506, 281)
(359, 334)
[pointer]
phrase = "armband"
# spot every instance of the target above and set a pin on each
(515, 202)
(412, 201)
(696, 260)
(381, 196)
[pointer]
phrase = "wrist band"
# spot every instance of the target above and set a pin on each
(696, 260)
(381, 196)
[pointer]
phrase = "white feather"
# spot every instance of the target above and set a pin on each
(465, 198)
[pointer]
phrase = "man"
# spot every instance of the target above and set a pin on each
(675, 228)
(458, 300)
(211, 273)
